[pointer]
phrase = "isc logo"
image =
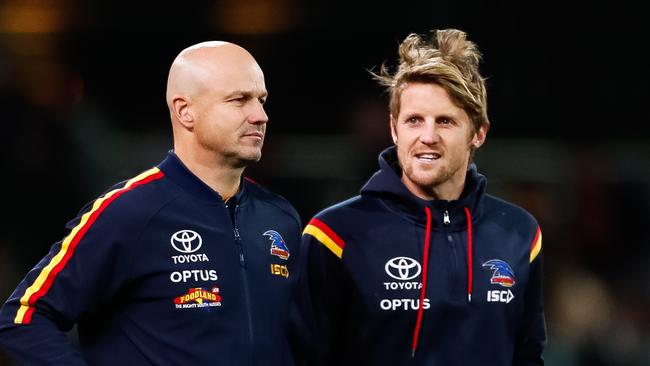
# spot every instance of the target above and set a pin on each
(500, 296)
(280, 270)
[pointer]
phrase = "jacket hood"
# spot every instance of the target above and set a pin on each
(386, 183)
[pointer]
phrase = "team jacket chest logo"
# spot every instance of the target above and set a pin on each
(402, 294)
(186, 241)
(278, 247)
(403, 268)
(502, 275)
(198, 298)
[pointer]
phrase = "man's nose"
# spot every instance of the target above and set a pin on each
(429, 134)
(257, 114)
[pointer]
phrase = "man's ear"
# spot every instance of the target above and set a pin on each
(393, 131)
(480, 136)
(182, 111)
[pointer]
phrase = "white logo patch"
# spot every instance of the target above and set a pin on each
(194, 275)
(403, 304)
(190, 258)
(186, 241)
(500, 296)
(403, 268)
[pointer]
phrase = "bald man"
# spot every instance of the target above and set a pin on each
(186, 263)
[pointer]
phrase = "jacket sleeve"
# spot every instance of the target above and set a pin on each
(531, 335)
(319, 301)
(78, 273)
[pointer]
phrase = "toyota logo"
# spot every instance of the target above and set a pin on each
(186, 241)
(403, 268)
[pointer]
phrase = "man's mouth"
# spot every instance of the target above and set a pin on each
(427, 157)
(256, 134)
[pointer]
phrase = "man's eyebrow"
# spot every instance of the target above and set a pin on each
(246, 94)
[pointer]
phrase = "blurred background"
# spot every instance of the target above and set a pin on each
(82, 102)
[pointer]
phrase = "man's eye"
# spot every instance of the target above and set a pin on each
(262, 100)
(239, 98)
(412, 120)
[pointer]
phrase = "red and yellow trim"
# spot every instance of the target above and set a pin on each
(326, 236)
(536, 246)
(46, 277)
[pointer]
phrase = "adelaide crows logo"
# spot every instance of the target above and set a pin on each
(503, 275)
(278, 246)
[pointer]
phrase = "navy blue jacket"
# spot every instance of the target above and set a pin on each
(160, 271)
(473, 263)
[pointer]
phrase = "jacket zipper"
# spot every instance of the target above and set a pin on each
(242, 265)
(454, 271)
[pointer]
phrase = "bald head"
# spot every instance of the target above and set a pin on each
(202, 64)
(215, 94)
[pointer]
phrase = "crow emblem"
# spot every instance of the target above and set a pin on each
(503, 275)
(278, 246)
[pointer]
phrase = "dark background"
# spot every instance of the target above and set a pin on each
(82, 89)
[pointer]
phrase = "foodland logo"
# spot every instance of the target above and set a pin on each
(197, 298)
